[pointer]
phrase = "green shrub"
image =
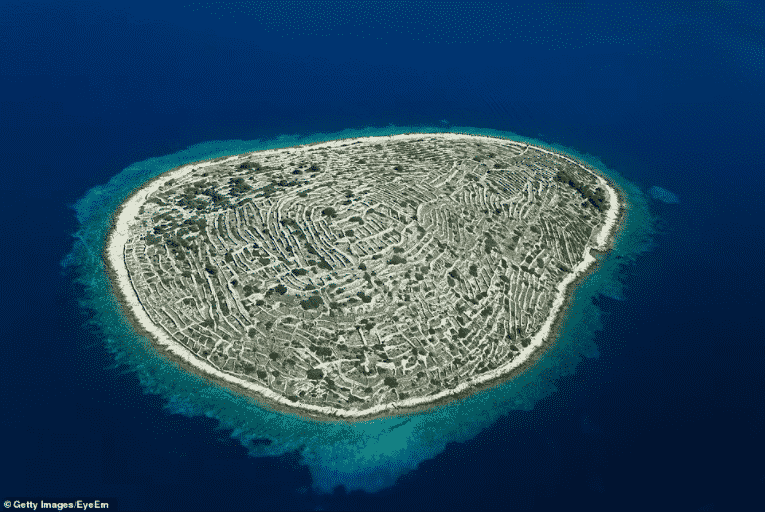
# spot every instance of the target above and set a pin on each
(250, 165)
(315, 374)
(323, 351)
(313, 302)
(490, 244)
(390, 382)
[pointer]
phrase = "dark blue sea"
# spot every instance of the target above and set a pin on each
(654, 400)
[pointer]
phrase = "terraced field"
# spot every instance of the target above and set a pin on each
(362, 273)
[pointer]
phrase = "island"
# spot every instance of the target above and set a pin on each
(360, 278)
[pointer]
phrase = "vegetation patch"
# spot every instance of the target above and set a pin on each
(390, 382)
(396, 260)
(315, 374)
(312, 302)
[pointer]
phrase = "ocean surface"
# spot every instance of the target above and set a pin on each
(651, 400)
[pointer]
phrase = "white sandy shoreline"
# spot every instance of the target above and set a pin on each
(126, 214)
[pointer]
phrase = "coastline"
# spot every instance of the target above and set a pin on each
(121, 286)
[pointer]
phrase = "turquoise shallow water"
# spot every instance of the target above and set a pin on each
(366, 455)
(663, 195)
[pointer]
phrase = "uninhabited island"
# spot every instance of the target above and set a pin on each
(359, 278)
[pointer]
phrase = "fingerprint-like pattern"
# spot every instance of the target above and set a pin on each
(367, 272)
